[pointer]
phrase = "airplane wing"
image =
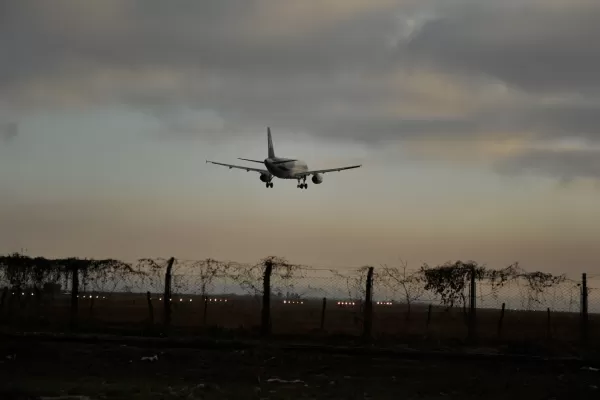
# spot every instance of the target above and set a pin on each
(323, 171)
(262, 171)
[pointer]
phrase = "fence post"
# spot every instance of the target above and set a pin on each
(548, 325)
(150, 308)
(3, 299)
(472, 306)
(584, 308)
(167, 295)
(10, 304)
(368, 318)
(501, 320)
(205, 311)
(428, 317)
(38, 301)
(92, 305)
(265, 323)
(74, 295)
(323, 313)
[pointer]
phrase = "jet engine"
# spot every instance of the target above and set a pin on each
(317, 179)
(266, 177)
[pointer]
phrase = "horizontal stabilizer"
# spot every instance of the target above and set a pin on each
(246, 159)
(248, 169)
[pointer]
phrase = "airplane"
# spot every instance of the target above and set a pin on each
(284, 168)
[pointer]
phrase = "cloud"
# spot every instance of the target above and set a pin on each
(9, 132)
(541, 47)
(565, 164)
(433, 71)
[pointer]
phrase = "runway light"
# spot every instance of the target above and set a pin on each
(293, 302)
(190, 299)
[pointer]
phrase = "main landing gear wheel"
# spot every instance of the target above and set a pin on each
(269, 184)
(302, 185)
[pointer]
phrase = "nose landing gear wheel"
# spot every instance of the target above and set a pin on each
(269, 184)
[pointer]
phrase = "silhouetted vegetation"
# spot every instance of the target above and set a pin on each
(278, 296)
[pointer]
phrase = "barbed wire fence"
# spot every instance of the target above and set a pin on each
(273, 296)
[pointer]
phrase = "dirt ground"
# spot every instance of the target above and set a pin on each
(36, 369)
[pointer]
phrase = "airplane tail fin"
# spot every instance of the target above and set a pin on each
(270, 139)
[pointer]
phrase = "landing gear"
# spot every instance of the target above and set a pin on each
(269, 184)
(302, 185)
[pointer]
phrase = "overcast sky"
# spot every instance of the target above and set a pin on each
(477, 124)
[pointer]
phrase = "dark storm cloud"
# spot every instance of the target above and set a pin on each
(542, 49)
(222, 56)
(325, 69)
(566, 165)
(536, 46)
(547, 121)
(570, 120)
(203, 36)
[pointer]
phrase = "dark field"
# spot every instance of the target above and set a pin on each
(31, 368)
(240, 315)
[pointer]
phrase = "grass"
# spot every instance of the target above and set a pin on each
(240, 317)
(114, 371)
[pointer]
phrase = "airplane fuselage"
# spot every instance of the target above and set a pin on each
(284, 168)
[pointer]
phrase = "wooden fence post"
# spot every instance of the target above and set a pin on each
(150, 308)
(3, 299)
(549, 326)
(38, 302)
(584, 308)
(472, 306)
(368, 317)
(323, 307)
(501, 320)
(167, 295)
(428, 316)
(265, 323)
(92, 298)
(74, 295)
(205, 313)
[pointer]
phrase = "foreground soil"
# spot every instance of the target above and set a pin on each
(40, 369)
